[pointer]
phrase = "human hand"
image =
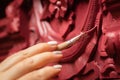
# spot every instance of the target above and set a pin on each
(31, 63)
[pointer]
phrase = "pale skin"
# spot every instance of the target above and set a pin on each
(32, 63)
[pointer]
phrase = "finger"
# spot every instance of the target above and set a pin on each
(32, 63)
(45, 73)
(38, 48)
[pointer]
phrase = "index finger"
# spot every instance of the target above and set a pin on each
(38, 48)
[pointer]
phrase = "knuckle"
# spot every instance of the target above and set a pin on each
(28, 62)
(25, 54)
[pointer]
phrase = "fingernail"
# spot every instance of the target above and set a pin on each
(53, 42)
(57, 52)
(57, 66)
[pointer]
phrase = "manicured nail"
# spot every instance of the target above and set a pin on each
(57, 66)
(53, 42)
(57, 52)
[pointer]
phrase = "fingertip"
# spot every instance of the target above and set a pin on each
(58, 53)
(52, 43)
(57, 67)
(53, 71)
